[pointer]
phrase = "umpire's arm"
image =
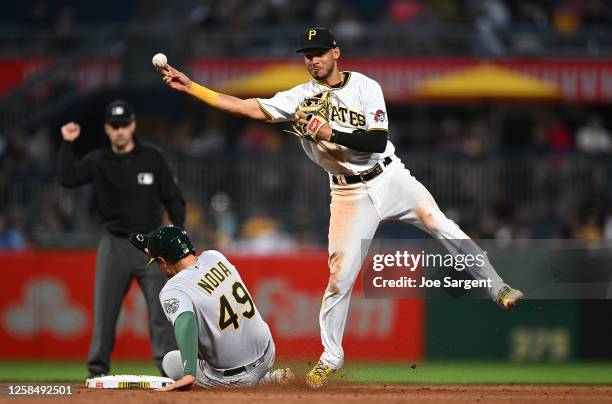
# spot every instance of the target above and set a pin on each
(171, 194)
(72, 172)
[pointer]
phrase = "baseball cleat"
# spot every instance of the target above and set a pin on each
(282, 376)
(319, 375)
(508, 297)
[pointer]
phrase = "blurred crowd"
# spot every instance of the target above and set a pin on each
(505, 172)
(491, 21)
(482, 27)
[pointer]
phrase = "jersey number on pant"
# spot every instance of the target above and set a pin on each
(227, 314)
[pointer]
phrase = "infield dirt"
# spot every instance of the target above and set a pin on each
(339, 394)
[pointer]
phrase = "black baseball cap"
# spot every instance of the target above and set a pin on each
(119, 111)
(317, 38)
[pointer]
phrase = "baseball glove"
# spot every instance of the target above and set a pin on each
(316, 111)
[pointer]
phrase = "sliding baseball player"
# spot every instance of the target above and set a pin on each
(222, 339)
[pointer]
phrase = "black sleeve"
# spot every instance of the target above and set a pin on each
(373, 141)
(171, 195)
(73, 173)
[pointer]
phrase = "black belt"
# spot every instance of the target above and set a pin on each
(364, 176)
(234, 372)
(242, 369)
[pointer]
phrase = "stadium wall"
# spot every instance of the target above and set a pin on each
(46, 309)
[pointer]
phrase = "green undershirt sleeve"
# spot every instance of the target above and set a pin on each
(186, 333)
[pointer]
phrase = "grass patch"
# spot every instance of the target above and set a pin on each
(424, 373)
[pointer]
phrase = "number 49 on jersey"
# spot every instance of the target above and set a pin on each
(228, 313)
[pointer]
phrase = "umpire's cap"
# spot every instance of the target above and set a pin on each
(170, 242)
(317, 38)
(119, 111)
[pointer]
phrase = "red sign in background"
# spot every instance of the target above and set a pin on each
(86, 75)
(46, 309)
(579, 80)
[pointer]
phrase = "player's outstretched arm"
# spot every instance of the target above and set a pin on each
(181, 82)
(186, 334)
(184, 383)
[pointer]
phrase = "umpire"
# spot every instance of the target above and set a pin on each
(132, 183)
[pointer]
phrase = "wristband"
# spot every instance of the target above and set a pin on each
(205, 94)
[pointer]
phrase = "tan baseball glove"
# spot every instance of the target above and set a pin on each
(316, 111)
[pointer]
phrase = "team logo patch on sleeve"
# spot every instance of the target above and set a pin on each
(171, 306)
(379, 116)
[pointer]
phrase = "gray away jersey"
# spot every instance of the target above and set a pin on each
(231, 331)
(357, 103)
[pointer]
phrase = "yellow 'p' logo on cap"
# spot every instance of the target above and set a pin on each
(311, 33)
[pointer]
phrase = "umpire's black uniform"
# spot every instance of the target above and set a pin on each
(130, 191)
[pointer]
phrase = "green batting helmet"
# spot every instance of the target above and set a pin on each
(171, 243)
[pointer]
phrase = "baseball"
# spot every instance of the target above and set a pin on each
(159, 60)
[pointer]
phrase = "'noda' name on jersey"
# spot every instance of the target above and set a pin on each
(214, 277)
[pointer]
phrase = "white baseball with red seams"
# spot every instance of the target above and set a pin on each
(357, 209)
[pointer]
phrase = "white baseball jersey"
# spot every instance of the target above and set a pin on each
(357, 104)
(231, 332)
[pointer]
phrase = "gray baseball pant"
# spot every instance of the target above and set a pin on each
(117, 262)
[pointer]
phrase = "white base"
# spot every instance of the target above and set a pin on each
(128, 382)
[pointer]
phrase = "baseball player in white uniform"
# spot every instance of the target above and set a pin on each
(222, 339)
(368, 182)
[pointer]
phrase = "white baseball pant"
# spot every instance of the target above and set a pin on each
(356, 211)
